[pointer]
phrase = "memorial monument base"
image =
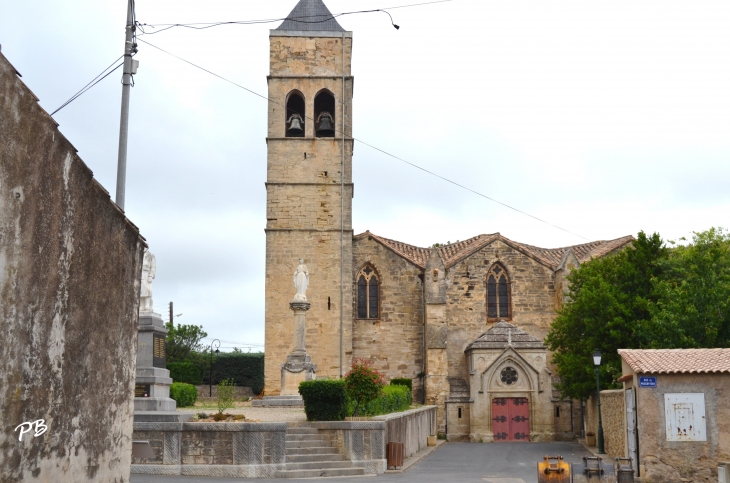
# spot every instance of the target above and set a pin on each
(152, 400)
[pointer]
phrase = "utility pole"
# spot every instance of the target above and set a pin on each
(130, 68)
(170, 313)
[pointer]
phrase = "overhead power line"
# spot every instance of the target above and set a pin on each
(377, 148)
(90, 85)
(306, 19)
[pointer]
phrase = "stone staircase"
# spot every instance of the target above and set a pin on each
(310, 455)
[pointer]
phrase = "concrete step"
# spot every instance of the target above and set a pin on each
(319, 473)
(311, 450)
(304, 437)
(278, 401)
(307, 444)
(311, 458)
(300, 430)
(315, 465)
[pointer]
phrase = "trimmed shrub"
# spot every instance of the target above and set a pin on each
(324, 399)
(185, 372)
(392, 399)
(402, 381)
(185, 394)
(246, 369)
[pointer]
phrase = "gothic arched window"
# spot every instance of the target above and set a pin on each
(499, 305)
(368, 297)
(294, 115)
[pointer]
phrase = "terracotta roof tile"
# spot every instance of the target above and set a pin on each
(454, 252)
(416, 255)
(667, 361)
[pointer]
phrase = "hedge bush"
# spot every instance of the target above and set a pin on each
(185, 372)
(185, 394)
(324, 399)
(246, 369)
(392, 399)
(402, 381)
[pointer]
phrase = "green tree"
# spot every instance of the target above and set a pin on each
(693, 308)
(363, 384)
(183, 343)
(610, 303)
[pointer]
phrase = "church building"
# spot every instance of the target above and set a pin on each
(465, 321)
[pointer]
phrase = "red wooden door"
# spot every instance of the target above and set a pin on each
(510, 419)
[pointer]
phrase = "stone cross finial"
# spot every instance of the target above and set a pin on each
(509, 336)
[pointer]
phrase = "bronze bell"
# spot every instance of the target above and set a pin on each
(295, 124)
(325, 127)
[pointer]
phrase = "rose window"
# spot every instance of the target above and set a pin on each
(508, 376)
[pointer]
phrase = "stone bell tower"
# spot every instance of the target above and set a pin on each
(309, 188)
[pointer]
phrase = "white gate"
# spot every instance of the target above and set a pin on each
(631, 428)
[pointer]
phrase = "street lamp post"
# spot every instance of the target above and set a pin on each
(597, 364)
(210, 368)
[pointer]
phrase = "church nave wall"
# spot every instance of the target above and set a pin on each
(394, 340)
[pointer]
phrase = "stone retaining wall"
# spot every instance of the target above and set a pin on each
(410, 427)
(243, 450)
(612, 419)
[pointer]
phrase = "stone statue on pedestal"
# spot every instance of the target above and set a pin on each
(301, 282)
(149, 267)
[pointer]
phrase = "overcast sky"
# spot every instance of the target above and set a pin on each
(603, 118)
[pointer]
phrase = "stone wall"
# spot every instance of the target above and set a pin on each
(676, 461)
(393, 341)
(70, 265)
(613, 417)
(532, 292)
(236, 450)
(412, 428)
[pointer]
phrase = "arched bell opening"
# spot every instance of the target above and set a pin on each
(294, 115)
(324, 114)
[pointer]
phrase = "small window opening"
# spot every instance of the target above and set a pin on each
(329, 306)
(557, 411)
(459, 413)
(295, 116)
(324, 114)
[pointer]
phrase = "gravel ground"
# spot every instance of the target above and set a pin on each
(279, 415)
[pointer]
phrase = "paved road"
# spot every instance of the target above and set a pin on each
(462, 462)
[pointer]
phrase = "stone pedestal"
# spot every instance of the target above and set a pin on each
(298, 366)
(152, 400)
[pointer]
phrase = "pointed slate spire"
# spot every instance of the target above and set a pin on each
(311, 15)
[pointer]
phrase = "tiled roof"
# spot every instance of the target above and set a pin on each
(668, 361)
(454, 252)
(311, 15)
(502, 334)
(416, 255)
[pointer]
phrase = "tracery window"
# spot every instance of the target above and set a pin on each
(499, 305)
(367, 294)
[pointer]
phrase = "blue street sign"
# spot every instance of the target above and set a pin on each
(647, 381)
